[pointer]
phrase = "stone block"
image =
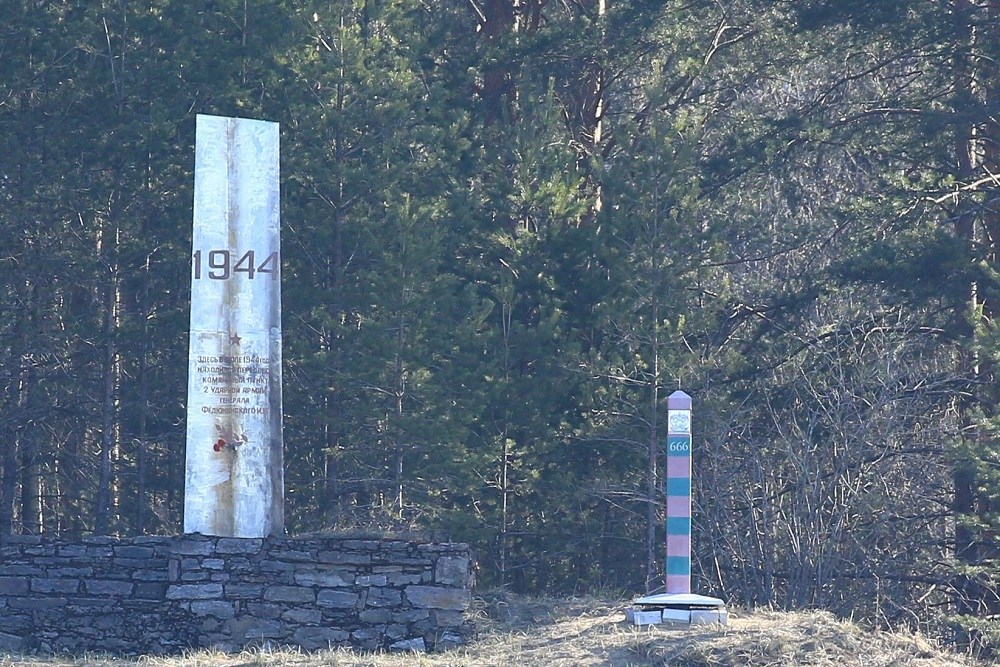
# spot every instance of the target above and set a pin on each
(312, 639)
(279, 567)
(383, 597)
(106, 622)
(114, 588)
(289, 594)
(343, 558)
(37, 604)
(86, 627)
(210, 625)
(441, 549)
(452, 571)
(444, 618)
(152, 575)
(337, 599)
(409, 645)
(194, 591)
(239, 564)
(411, 615)
(12, 643)
(366, 634)
(188, 564)
(88, 605)
(19, 570)
(15, 622)
(263, 629)
(370, 645)
(239, 545)
(134, 552)
(293, 555)
(303, 616)
(371, 580)
(324, 579)
(215, 608)
(70, 572)
(395, 631)
(150, 591)
(72, 550)
(360, 545)
(99, 552)
(150, 608)
(194, 547)
(55, 585)
(241, 591)
(40, 551)
(13, 586)
(264, 610)
(436, 597)
(375, 616)
(403, 578)
(213, 564)
(140, 563)
(59, 561)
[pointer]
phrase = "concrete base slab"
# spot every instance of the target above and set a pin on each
(646, 617)
(678, 600)
(678, 610)
(719, 616)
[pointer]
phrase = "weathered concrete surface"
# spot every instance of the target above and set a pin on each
(234, 482)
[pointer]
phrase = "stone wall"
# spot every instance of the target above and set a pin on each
(154, 595)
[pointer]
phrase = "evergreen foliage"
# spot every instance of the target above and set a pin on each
(510, 230)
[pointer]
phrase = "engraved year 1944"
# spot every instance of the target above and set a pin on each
(219, 264)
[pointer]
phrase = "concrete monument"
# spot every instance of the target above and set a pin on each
(234, 482)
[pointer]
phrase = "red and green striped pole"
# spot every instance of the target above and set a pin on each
(678, 492)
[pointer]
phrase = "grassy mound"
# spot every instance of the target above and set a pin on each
(516, 632)
(581, 632)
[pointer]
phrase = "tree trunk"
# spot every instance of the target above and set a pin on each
(107, 491)
(142, 444)
(497, 90)
(653, 446)
(334, 284)
(8, 487)
(963, 502)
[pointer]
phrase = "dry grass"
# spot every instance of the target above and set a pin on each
(581, 633)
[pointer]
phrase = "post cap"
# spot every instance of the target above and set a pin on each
(678, 401)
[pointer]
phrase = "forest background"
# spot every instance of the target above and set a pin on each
(510, 229)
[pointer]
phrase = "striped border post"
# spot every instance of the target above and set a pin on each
(678, 493)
